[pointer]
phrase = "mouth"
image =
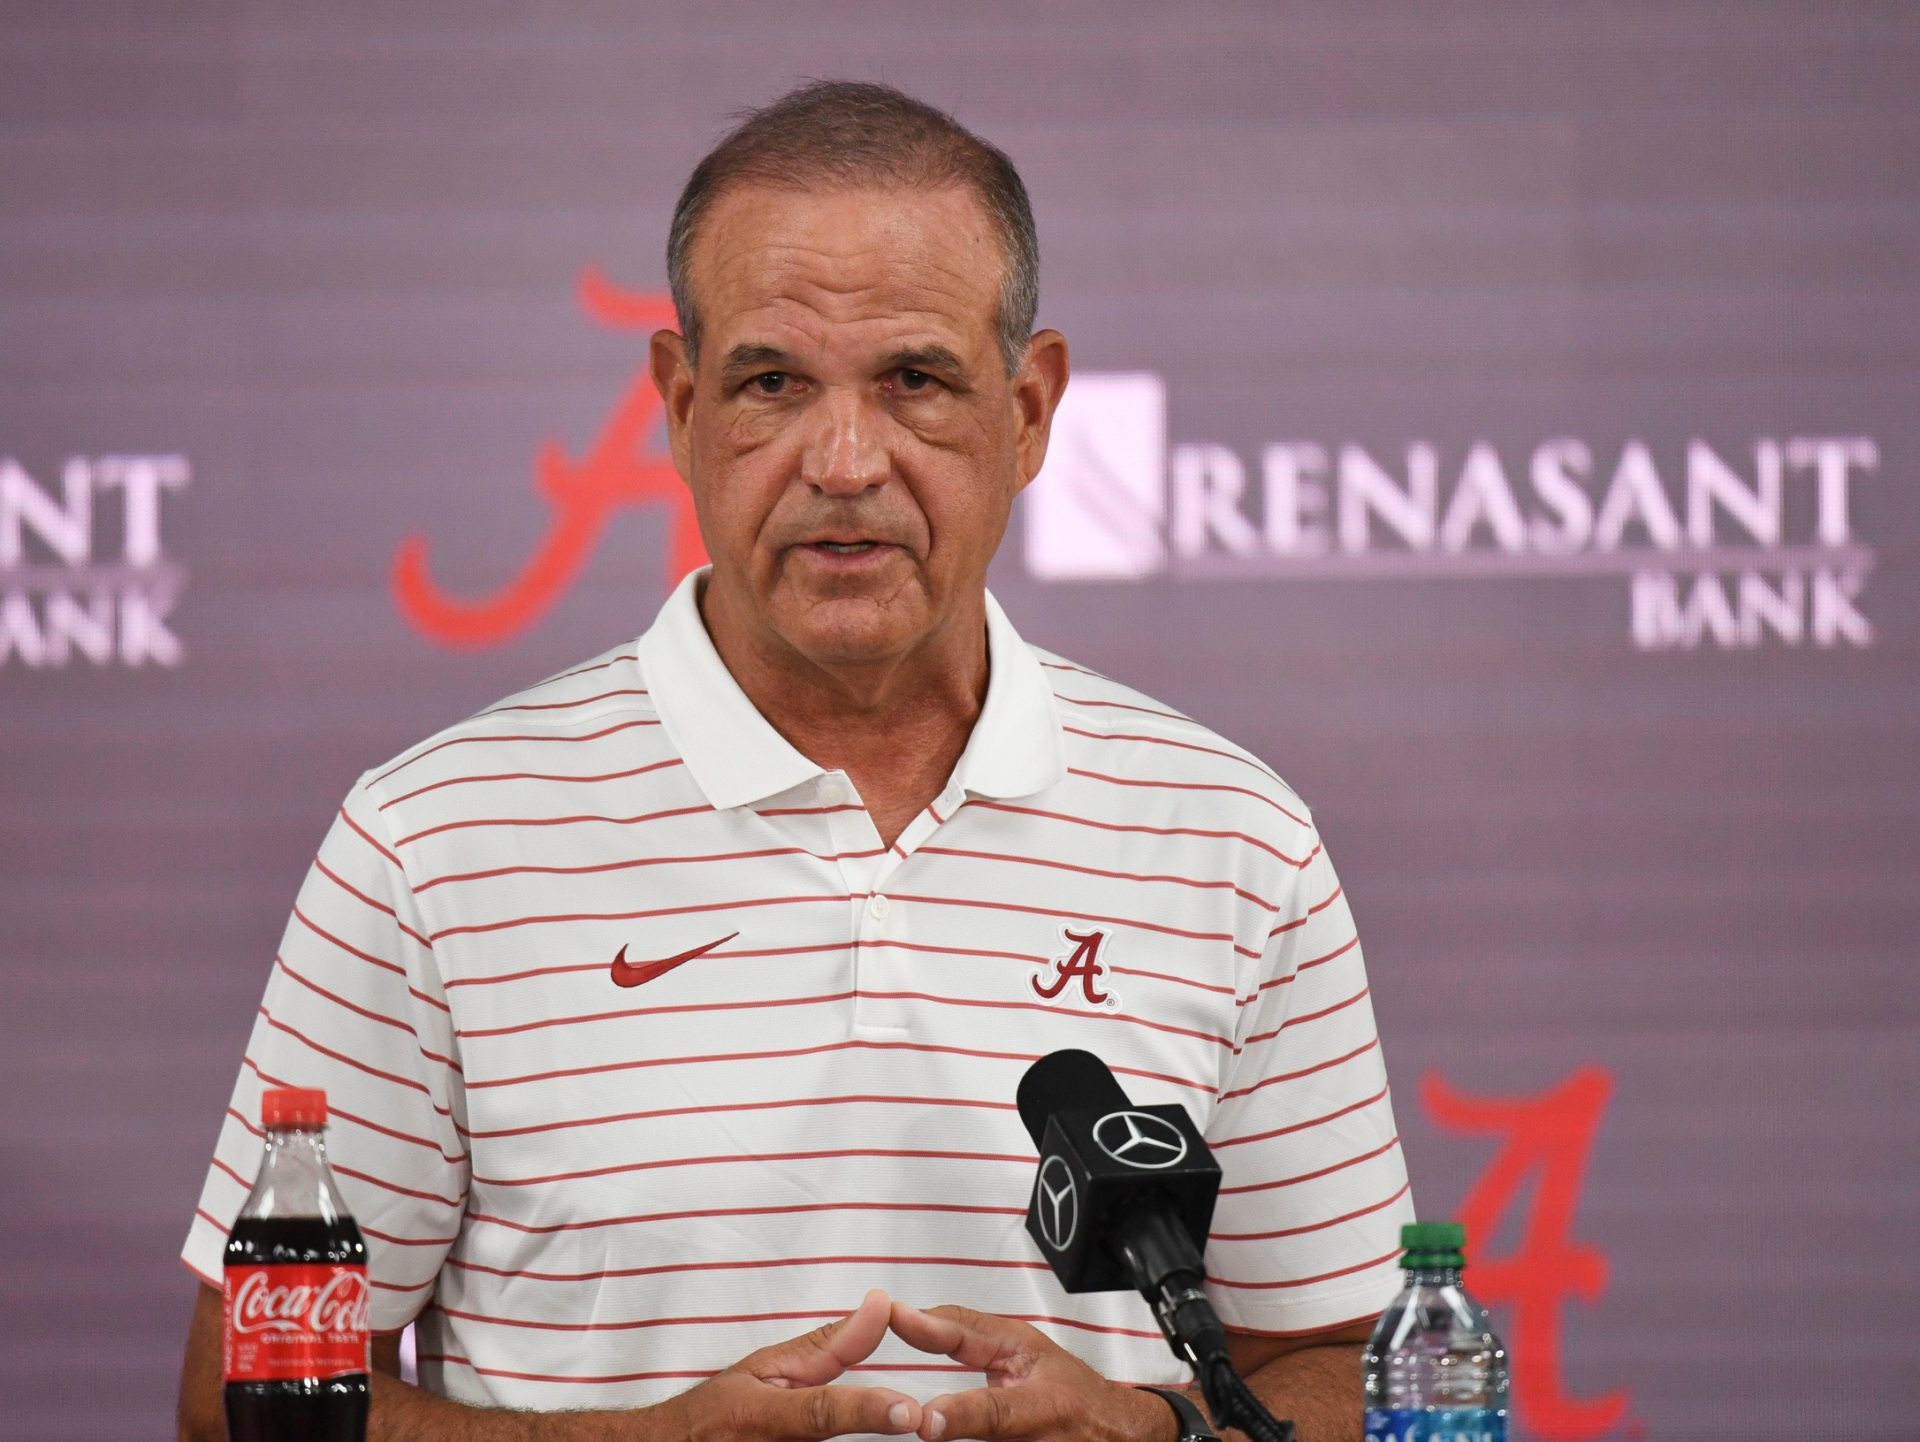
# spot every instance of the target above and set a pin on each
(843, 552)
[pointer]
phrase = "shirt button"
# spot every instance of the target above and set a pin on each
(832, 793)
(878, 908)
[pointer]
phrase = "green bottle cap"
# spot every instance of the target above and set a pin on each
(1433, 1244)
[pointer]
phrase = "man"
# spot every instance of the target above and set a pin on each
(671, 1005)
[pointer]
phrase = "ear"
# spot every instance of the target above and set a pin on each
(673, 377)
(1036, 393)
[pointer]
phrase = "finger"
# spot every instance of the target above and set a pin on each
(820, 1412)
(998, 1414)
(824, 1353)
(976, 1339)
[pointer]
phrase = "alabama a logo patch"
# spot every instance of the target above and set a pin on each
(1081, 961)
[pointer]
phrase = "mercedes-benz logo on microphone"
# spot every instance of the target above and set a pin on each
(1057, 1203)
(1140, 1139)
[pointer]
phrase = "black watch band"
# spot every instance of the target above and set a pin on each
(1193, 1427)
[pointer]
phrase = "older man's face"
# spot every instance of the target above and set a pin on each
(850, 434)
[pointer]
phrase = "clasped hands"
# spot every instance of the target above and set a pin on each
(1031, 1387)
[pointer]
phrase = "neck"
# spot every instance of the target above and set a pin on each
(896, 724)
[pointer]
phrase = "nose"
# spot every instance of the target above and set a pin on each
(843, 453)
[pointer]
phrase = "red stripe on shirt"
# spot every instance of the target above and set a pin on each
(1365, 1211)
(400, 1286)
(732, 1158)
(1211, 786)
(1144, 830)
(564, 705)
(534, 776)
(340, 1057)
(1032, 959)
(621, 1015)
(1168, 741)
(581, 671)
(361, 832)
(1194, 882)
(334, 1112)
(702, 1213)
(390, 1238)
(1304, 1071)
(1308, 915)
(852, 1044)
(395, 1187)
(928, 948)
(455, 1359)
(1316, 1174)
(538, 736)
(709, 1108)
(338, 1000)
(663, 1268)
(355, 891)
(518, 821)
(1128, 706)
(351, 950)
(1307, 1016)
(273, 1081)
(1077, 916)
(517, 921)
(602, 965)
(1056, 1010)
(1168, 976)
(1308, 1281)
(1334, 955)
(631, 863)
(486, 1319)
(1293, 1127)
(1368, 1317)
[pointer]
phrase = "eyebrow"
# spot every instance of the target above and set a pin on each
(925, 358)
(752, 357)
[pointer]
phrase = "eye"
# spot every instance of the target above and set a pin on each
(769, 383)
(915, 381)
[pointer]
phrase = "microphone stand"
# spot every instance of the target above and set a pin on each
(1167, 1269)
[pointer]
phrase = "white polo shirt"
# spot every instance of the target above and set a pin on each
(593, 1177)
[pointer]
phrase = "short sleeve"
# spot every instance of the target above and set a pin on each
(354, 1004)
(1306, 1232)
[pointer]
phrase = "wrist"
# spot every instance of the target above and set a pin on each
(1184, 1411)
(1146, 1417)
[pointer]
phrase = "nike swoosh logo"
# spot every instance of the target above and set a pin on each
(627, 973)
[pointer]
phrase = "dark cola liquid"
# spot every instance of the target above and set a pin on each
(331, 1411)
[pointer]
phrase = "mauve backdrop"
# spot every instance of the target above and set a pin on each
(283, 285)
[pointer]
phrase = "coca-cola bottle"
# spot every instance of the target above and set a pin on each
(296, 1346)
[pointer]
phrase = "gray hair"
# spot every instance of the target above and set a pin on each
(850, 133)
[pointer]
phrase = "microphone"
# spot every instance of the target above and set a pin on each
(1124, 1199)
(1124, 1195)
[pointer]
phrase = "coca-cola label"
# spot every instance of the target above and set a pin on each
(291, 1321)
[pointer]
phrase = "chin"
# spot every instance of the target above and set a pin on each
(852, 630)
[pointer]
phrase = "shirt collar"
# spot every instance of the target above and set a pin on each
(737, 758)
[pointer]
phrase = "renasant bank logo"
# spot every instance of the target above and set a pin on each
(1722, 546)
(83, 571)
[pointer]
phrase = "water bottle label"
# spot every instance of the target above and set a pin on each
(294, 1321)
(1435, 1424)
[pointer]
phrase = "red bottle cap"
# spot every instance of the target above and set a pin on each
(293, 1107)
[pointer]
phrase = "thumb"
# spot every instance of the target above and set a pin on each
(819, 1356)
(974, 1339)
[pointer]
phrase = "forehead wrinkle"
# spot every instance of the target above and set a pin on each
(770, 273)
(809, 336)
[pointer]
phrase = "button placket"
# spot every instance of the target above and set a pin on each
(863, 866)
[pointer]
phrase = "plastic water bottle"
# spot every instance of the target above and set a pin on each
(1435, 1370)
